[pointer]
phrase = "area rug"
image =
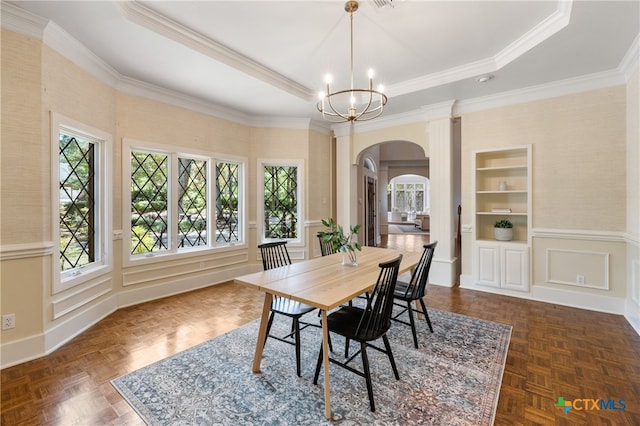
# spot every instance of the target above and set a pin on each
(405, 229)
(453, 379)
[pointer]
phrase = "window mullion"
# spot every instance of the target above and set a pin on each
(172, 204)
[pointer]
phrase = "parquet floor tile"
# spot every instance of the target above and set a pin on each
(555, 351)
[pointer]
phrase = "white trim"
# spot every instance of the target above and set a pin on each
(36, 346)
(23, 22)
(27, 250)
(541, 32)
(103, 143)
(301, 179)
(173, 252)
(543, 91)
(577, 234)
(631, 60)
(160, 24)
(604, 257)
(60, 308)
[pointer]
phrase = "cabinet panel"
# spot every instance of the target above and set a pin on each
(515, 268)
(488, 266)
(502, 265)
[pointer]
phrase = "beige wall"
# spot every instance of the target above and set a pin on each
(583, 186)
(578, 171)
(37, 80)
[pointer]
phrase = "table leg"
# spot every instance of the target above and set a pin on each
(262, 332)
(325, 355)
(419, 309)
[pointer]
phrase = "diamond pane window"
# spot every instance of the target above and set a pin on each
(192, 202)
(227, 187)
(280, 202)
(78, 188)
(149, 191)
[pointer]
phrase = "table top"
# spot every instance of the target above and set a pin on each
(324, 282)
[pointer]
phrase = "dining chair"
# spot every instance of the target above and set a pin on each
(366, 325)
(415, 290)
(275, 255)
(326, 247)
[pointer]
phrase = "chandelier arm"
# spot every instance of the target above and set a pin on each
(335, 112)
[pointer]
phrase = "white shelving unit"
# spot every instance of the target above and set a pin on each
(502, 183)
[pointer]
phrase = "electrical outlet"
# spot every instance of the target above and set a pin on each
(580, 279)
(8, 321)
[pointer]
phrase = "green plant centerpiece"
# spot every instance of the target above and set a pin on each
(341, 241)
(503, 230)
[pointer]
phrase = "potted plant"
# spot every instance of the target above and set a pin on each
(341, 241)
(503, 230)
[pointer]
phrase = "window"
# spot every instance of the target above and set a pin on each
(227, 186)
(172, 199)
(408, 193)
(281, 201)
(81, 226)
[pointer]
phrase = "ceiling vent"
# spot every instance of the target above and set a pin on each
(382, 3)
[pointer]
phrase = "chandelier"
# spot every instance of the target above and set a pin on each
(359, 104)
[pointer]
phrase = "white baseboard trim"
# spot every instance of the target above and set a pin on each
(632, 314)
(33, 347)
(592, 302)
(23, 350)
(443, 272)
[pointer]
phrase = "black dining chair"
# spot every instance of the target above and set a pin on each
(274, 255)
(326, 247)
(415, 290)
(366, 325)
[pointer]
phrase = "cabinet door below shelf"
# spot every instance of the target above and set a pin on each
(488, 267)
(515, 268)
(503, 265)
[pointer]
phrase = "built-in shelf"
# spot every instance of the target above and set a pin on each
(502, 182)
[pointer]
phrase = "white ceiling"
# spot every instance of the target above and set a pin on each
(269, 58)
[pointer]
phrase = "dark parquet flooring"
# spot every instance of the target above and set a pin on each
(555, 351)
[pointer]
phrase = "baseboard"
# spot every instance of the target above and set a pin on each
(33, 347)
(592, 302)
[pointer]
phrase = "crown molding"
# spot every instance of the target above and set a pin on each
(28, 24)
(544, 91)
(630, 62)
(139, 14)
(153, 92)
(539, 33)
(22, 22)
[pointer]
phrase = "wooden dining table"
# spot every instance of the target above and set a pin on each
(323, 283)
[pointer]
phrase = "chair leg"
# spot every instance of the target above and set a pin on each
(367, 374)
(413, 324)
(296, 326)
(390, 355)
(426, 314)
(317, 373)
(346, 348)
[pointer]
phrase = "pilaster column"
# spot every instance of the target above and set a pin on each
(443, 211)
(346, 185)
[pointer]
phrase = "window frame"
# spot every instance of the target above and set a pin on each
(103, 234)
(175, 252)
(261, 164)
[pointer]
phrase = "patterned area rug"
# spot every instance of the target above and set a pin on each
(395, 228)
(453, 379)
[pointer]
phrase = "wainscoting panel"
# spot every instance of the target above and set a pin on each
(81, 296)
(179, 269)
(578, 268)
